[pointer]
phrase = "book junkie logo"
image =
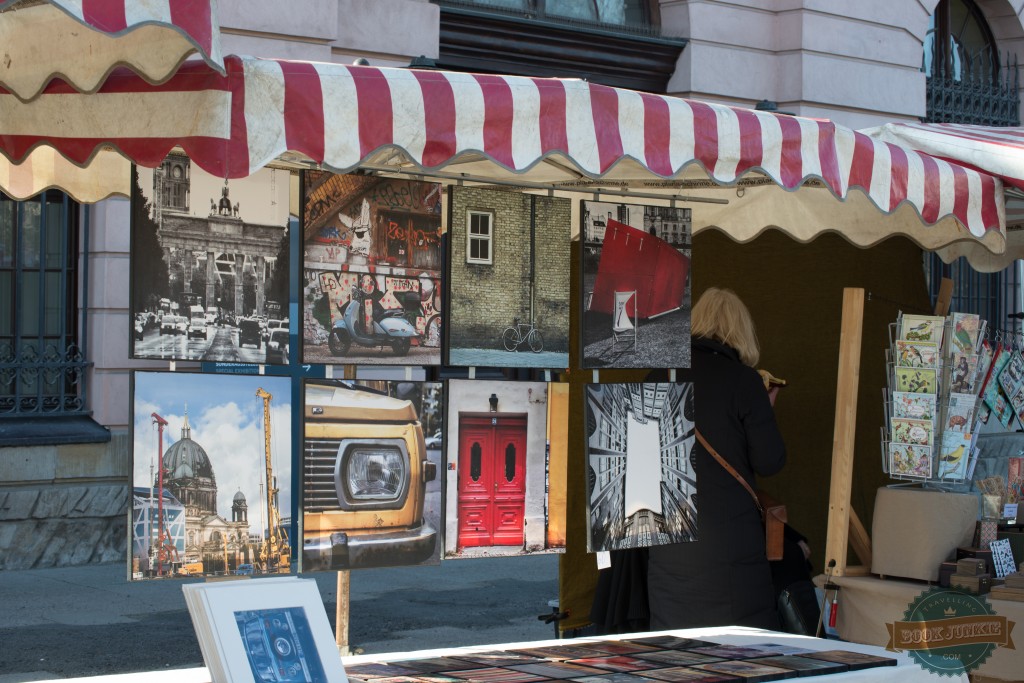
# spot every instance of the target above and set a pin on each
(949, 631)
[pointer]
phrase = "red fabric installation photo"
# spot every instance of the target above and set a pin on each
(632, 259)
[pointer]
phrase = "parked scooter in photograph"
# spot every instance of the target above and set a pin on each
(389, 326)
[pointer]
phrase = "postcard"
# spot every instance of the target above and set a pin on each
(777, 649)
(500, 658)
(906, 430)
(746, 669)
(674, 642)
(615, 663)
(434, 664)
(915, 380)
(921, 328)
(1012, 374)
(678, 673)
(960, 412)
(914, 354)
(613, 677)
(908, 460)
(1015, 481)
(379, 670)
(678, 657)
(621, 647)
(914, 406)
(963, 373)
(854, 660)
(965, 332)
(494, 674)
(559, 652)
(729, 651)
(954, 455)
(805, 665)
(557, 669)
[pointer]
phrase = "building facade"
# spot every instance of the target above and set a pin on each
(64, 453)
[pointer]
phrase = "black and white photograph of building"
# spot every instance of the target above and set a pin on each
(640, 482)
(209, 264)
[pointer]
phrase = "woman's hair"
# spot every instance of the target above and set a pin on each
(719, 314)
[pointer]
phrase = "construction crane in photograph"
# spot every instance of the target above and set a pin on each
(165, 550)
(275, 550)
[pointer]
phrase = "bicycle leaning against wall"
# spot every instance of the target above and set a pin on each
(519, 333)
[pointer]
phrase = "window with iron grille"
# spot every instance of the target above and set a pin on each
(967, 83)
(42, 365)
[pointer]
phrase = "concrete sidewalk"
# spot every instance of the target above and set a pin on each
(90, 620)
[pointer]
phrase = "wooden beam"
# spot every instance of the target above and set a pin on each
(341, 614)
(859, 540)
(945, 297)
(844, 433)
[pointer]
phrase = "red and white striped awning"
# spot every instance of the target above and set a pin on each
(565, 133)
(81, 41)
(997, 151)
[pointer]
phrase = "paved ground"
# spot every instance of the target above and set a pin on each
(496, 358)
(220, 344)
(362, 355)
(662, 342)
(91, 621)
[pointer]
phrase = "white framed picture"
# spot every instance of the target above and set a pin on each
(258, 630)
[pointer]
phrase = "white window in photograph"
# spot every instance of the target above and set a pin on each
(479, 237)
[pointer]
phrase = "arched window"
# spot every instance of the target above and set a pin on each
(959, 41)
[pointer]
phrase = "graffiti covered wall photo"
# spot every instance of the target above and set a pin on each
(372, 259)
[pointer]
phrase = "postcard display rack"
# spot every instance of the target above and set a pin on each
(937, 372)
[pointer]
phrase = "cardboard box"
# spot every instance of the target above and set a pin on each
(914, 530)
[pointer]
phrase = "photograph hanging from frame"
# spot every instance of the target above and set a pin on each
(506, 468)
(372, 487)
(211, 475)
(210, 281)
(635, 292)
(372, 260)
(509, 291)
(641, 484)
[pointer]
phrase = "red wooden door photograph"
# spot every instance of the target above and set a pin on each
(492, 479)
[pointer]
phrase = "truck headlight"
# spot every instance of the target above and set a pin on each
(372, 473)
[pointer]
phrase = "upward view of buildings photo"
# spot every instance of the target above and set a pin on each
(640, 482)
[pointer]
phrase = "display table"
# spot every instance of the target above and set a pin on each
(868, 603)
(906, 670)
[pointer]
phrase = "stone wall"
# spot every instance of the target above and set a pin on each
(64, 505)
(486, 297)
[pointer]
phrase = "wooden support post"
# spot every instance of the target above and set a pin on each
(859, 540)
(341, 614)
(344, 577)
(844, 433)
(945, 297)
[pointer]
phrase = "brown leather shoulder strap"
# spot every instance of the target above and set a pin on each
(729, 468)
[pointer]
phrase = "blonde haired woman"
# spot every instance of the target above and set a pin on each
(722, 579)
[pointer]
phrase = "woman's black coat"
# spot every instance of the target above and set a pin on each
(722, 579)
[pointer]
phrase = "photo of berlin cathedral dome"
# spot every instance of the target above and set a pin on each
(183, 524)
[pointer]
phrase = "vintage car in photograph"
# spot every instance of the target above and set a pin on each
(277, 346)
(250, 332)
(365, 475)
(173, 324)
